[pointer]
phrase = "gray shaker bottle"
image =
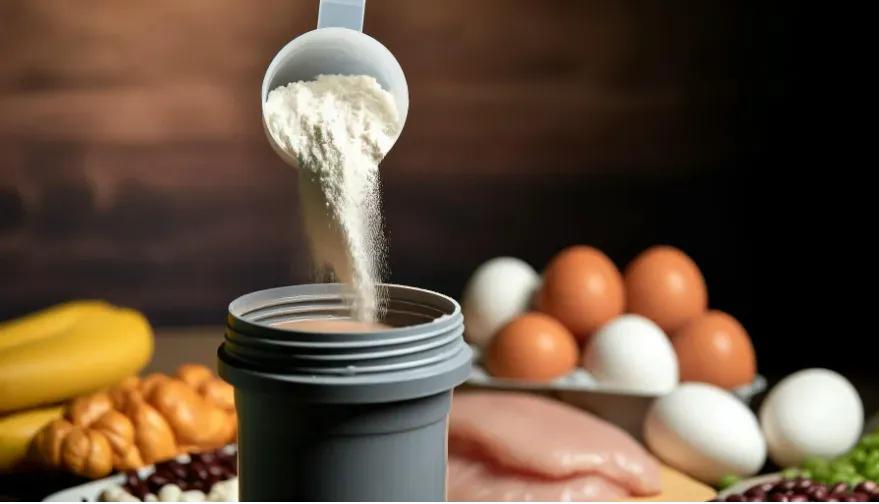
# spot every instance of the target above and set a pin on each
(343, 417)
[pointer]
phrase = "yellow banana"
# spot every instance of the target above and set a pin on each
(18, 429)
(94, 352)
(48, 322)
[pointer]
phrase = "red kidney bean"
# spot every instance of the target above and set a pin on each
(756, 493)
(199, 470)
(131, 479)
(848, 497)
(778, 497)
(839, 488)
(868, 487)
(785, 486)
(200, 485)
(819, 495)
(166, 473)
(177, 469)
(766, 487)
(156, 482)
(212, 480)
(803, 484)
(202, 472)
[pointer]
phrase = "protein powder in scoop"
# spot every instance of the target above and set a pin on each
(339, 128)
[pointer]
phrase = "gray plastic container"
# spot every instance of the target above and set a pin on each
(341, 416)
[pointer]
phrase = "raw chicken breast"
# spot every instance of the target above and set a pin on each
(524, 434)
(473, 481)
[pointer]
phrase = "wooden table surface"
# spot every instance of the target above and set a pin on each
(678, 487)
(179, 346)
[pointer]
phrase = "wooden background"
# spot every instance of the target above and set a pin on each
(133, 166)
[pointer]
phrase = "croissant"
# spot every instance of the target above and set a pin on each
(195, 421)
(86, 452)
(47, 442)
(151, 382)
(153, 434)
(124, 392)
(218, 392)
(85, 410)
(119, 431)
(79, 450)
(139, 422)
(194, 375)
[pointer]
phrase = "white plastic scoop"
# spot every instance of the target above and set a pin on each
(336, 47)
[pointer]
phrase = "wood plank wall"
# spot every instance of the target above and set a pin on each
(133, 166)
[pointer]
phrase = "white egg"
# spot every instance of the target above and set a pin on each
(706, 432)
(632, 353)
(498, 291)
(814, 412)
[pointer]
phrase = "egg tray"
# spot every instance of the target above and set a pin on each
(92, 491)
(624, 408)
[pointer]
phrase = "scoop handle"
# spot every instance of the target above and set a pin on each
(341, 14)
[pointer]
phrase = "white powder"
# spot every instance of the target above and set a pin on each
(339, 128)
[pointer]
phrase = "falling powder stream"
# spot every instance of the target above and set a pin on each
(339, 128)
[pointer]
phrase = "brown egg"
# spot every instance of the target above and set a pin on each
(532, 347)
(665, 285)
(582, 289)
(714, 348)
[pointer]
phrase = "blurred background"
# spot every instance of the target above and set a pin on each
(133, 165)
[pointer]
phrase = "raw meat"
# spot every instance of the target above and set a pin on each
(542, 442)
(473, 481)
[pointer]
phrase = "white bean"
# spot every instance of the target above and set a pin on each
(111, 493)
(226, 491)
(192, 496)
(127, 497)
(218, 494)
(116, 493)
(223, 491)
(170, 493)
(232, 487)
